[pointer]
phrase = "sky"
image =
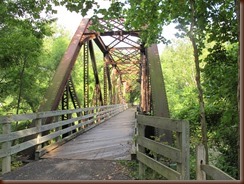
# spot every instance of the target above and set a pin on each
(71, 20)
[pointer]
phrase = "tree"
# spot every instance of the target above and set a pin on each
(179, 73)
(21, 32)
(28, 64)
(220, 81)
(18, 52)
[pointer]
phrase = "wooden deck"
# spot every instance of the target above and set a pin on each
(112, 140)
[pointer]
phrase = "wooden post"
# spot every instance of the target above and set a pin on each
(56, 119)
(95, 115)
(201, 160)
(185, 150)
(110, 112)
(79, 122)
(39, 134)
(98, 116)
(183, 143)
(142, 167)
(6, 161)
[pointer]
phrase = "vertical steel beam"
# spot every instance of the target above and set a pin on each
(109, 85)
(144, 80)
(113, 81)
(143, 84)
(65, 101)
(160, 102)
(95, 72)
(86, 74)
(65, 106)
(159, 98)
(106, 59)
(105, 92)
(73, 94)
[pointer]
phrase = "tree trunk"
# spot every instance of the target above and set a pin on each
(20, 89)
(198, 80)
(20, 94)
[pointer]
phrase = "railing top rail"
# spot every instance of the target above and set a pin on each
(162, 123)
(216, 173)
(38, 115)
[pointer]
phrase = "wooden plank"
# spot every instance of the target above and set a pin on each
(58, 124)
(160, 122)
(24, 117)
(31, 131)
(18, 134)
(46, 114)
(165, 150)
(49, 148)
(64, 122)
(216, 173)
(97, 144)
(22, 146)
(158, 167)
(20, 117)
(63, 131)
(33, 142)
(87, 116)
(102, 112)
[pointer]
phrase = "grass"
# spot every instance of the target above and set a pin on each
(133, 168)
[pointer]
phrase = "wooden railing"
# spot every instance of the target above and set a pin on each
(79, 120)
(179, 154)
(204, 169)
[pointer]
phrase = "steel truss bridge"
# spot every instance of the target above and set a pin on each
(128, 67)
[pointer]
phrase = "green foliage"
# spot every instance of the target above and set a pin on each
(19, 52)
(27, 13)
(132, 167)
(22, 51)
(179, 73)
(220, 74)
(220, 85)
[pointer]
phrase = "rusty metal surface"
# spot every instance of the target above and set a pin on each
(160, 103)
(159, 97)
(123, 47)
(62, 74)
(111, 140)
(95, 72)
(86, 75)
